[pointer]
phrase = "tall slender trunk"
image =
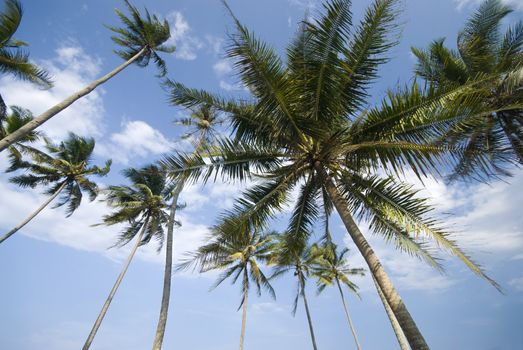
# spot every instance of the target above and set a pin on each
(393, 321)
(348, 315)
(244, 307)
(35, 213)
(413, 334)
(307, 311)
(45, 116)
(166, 295)
(107, 303)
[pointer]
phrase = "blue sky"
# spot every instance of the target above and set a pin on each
(56, 273)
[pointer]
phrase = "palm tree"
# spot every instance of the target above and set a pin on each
(298, 259)
(483, 51)
(140, 39)
(332, 267)
(142, 207)
(202, 123)
(239, 254)
(308, 126)
(19, 116)
(64, 171)
(13, 60)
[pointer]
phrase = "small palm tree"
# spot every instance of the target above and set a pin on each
(332, 268)
(483, 50)
(64, 170)
(142, 207)
(308, 126)
(239, 253)
(202, 123)
(140, 39)
(19, 116)
(298, 258)
(13, 60)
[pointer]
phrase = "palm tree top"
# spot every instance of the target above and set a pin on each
(13, 59)
(68, 162)
(140, 204)
(145, 32)
(307, 127)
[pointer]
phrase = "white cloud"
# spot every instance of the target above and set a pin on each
(136, 139)
(72, 68)
(268, 308)
(517, 283)
(232, 87)
(460, 4)
(187, 44)
(222, 67)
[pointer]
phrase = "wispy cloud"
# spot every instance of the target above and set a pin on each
(460, 4)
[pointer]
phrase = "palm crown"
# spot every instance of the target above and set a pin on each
(332, 267)
(141, 205)
(67, 165)
(19, 116)
(483, 51)
(147, 33)
(13, 59)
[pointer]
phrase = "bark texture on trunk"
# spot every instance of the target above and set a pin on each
(167, 278)
(244, 307)
(307, 311)
(35, 213)
(413, 334)
(393, 321)
(45, 116)
(352, 329)
(107, 303)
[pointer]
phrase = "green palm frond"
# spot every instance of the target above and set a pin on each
(142, 32)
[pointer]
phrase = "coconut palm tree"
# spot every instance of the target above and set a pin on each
(298, 259)
(141, 38)
(332, 268)
(64, 171)
(13, 60)
(239, 253)
(483, 50)
(308, 126)
(202, 124)
(19, 116)
(142, 207)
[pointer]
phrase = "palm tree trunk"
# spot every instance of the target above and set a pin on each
(35, 213)
(42, 118)
(309, 319)
(348, 316)
(393, 321)
(107, 303)
(413, 334)
(244, 307)
(164, 309)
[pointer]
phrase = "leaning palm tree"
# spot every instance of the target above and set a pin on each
(142, 207)
(141, 39)
(239, 253)
(64, 171)
(202, 124)
(308, 126)
(298, 259)
(332, 268)
(13, 60)
(483, 50)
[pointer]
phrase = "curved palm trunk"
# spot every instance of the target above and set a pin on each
(352, 329)
(309, 318)
(393, 321)
(107, 303)
(244, 307)
(413, 334)
(45, 116)
(164, 309)
(35, 213)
